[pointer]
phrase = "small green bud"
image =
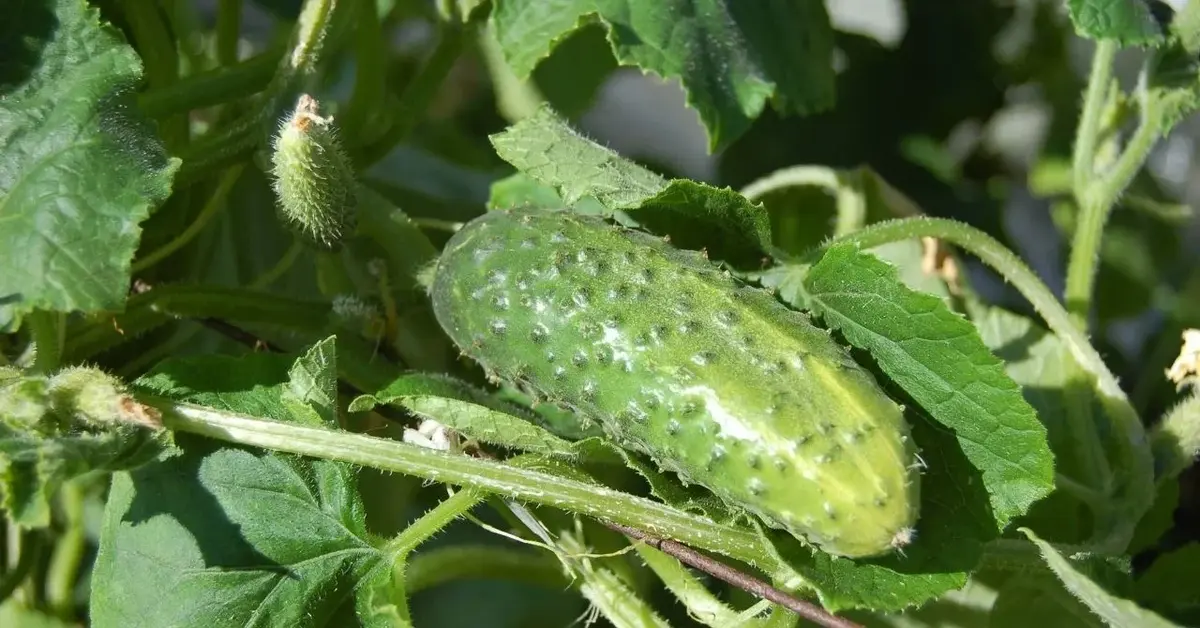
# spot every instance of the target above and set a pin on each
(314, 181)
(89, 396)
(23, 401)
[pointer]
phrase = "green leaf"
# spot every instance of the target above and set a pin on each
(938, 358)
(377, 606)
(55, 429)
(467, 410)
(236, 535)
(546, 148)
(520, 191)
(311, 390)
(731, 57)
(579, 66)
(956, 521)
(1157, 521)
(1173, 80)
(80, 168)
(1169, 584)
(1039, 362)
(1129, 22)
(1115, 611)
(1039, 601)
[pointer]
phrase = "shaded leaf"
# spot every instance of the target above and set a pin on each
(1169, 584)
(80, 168)
(235, 534)
(1115, 611)
(731, 57)
(1039, 601)
(938, 358)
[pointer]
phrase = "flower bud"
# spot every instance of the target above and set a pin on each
(314, 181)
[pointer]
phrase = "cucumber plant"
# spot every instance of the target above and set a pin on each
(426, 353)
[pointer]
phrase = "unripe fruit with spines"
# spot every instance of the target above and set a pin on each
(314, 179)
(711, 378)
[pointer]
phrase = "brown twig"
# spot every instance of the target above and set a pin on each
(741, 580)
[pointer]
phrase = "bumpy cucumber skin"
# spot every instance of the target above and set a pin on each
(711, 378)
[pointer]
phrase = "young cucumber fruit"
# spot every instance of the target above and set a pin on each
(713, 379)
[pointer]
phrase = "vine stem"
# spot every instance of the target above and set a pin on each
(281, 267)
(68, 552)
(1096, 201)
(504, 478)
(1088, 132)
(418, 94)
(850, 201)
(994, 254)
(211, 208)
(421, 530)
(229, 29)
(28, 546)
(1140, 491)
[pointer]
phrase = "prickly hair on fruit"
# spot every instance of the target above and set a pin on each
(711, 378)
(314, 179)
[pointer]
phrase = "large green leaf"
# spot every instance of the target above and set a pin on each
(731, 57)
(938, 358)
(79, 166)
(545, 148)
(237, 535)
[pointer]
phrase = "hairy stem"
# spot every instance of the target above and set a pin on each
(1087, 135)
(370, 77)
(160, 58)
(422, 530)
(507, 479)
(48, 330)
(1096, 201)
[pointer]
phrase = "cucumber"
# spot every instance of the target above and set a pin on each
(712, 379)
